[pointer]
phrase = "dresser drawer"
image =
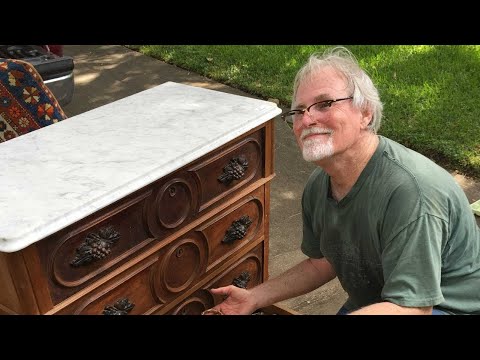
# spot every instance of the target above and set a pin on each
(186, 260)
(229, 169)
(247, 272)
(80, 254)
(127, 293)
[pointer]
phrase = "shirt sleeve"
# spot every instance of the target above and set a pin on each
(412, 262)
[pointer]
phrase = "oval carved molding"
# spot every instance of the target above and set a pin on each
(179, 265)
(247, 272)
(195, 305)
(59, 264)
(174, 203)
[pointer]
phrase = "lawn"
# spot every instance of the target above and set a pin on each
(431, 94)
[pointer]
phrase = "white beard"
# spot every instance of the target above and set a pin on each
(317, 148)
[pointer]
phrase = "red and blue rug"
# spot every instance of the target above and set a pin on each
(26, 104)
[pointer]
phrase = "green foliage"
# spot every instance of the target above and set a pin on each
(430, 93)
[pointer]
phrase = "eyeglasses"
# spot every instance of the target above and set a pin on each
(314, 110)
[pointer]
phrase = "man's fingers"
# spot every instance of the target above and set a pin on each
(221, 291)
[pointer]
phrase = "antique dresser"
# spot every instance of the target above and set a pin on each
(139, 206)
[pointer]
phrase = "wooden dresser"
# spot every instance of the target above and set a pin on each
(139, 206)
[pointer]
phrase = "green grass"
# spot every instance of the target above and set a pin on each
(431, 94)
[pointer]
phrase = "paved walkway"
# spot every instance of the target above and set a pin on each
(105, 73)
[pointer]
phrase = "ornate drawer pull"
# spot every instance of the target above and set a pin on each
(242, 280)
(235, 169)
(121, 307)
(237, 230)
(96, 246)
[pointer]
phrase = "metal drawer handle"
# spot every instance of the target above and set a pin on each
(121, 307)
(96, 246)
(237, 230)
(242, 280)
(234, 170)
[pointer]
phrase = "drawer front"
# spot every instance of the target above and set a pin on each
(130, 293)
(234, 228)
(246, 273)
(188, 259)
(80, 254)
(229, 169)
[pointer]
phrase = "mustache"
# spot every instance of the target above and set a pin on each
(315, 130)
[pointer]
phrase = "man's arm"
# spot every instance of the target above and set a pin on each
(388, 308)
(300, 279)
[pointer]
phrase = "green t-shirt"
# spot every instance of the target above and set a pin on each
(404, 233)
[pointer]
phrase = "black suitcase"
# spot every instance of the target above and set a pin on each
(47, 64)
(56, 71)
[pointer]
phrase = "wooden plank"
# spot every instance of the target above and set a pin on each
(9, 301)
(22, 283)
(266, 231)
(6, 311)
(269, 171)
(37, 277)
(269, 148)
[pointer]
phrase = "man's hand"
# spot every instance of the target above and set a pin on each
(237, 301)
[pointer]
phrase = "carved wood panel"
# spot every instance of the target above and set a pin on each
(243, 160)
(246, 272)
(195, 304)
(180, 264)
(76, 256)
(226, 232)
(173, 204)
(201, 300)
(129, 293)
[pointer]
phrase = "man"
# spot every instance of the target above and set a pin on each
(394, 227)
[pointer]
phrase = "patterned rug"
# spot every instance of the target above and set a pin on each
(26, 104)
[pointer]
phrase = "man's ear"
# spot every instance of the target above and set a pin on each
(367, 118)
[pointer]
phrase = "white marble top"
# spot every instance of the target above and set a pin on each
(57, 175)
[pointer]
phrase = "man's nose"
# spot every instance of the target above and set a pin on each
(307, 119)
